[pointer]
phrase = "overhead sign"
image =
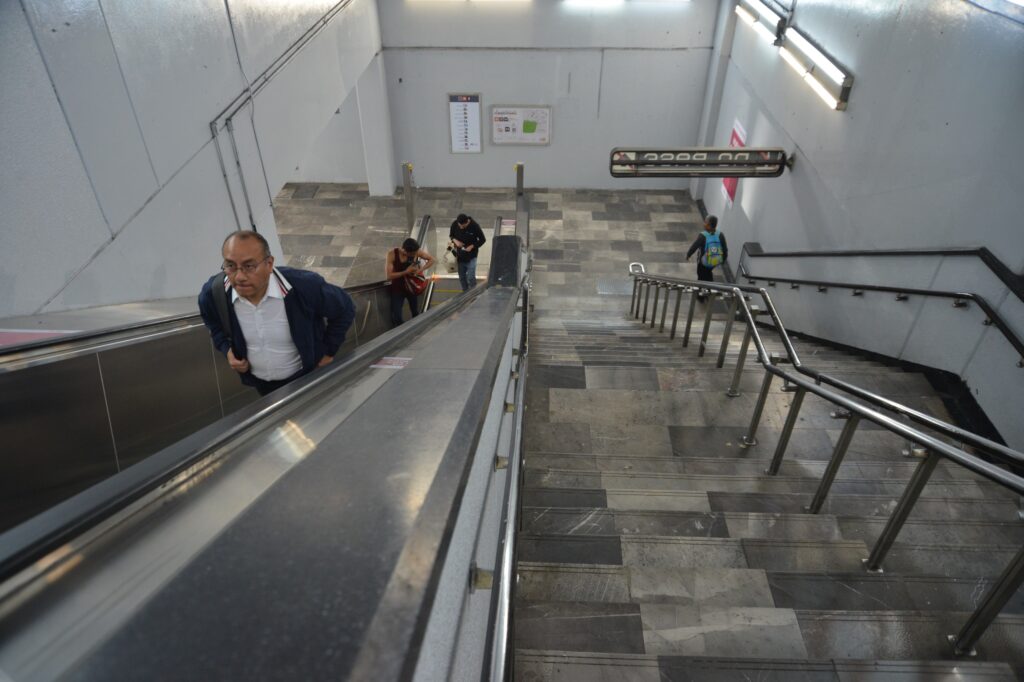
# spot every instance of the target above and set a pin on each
(705, 162)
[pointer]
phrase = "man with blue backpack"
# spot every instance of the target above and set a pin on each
(712, 251)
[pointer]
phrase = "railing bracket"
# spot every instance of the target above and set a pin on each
(971, 653)
(510, 407)
(794, 286)
(822, 288)
(500, 463)
(858, 292)
(902, 297)
(480, 578)
(839, 414)
(959, 303)
(987, 322)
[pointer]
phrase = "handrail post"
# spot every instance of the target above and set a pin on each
(639, 297)
(734, 389)
(750, 438)
(787, 431)
(1000, 593)
(647, 298)
(519, 179)
(833, 465)
(654, 310)
(675, 315)
(707, 325)
(689, 318)
(664, 308)
(632, 301)
(728, 329)
(410, 208)
(906, 504)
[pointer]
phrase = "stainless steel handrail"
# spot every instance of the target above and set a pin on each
(1012, 577)
(997, 450)
(959, 298)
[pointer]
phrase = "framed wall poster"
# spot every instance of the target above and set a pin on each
(464, 123)
(529, 125)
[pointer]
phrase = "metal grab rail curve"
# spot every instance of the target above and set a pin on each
(992, 317)
(1011, 578)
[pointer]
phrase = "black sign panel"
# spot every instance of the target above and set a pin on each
(704, 162)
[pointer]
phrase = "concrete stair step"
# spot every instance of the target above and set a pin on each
(590, 521)
(911, 635)
(882, 592)
(734, 466)
(557, 478)
(940, 508)
(565, 666)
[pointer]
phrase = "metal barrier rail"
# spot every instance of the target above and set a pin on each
(1011, 578)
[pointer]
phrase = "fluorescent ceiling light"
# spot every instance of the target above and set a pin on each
(763, 11)
(790, 59)
(815, 55)
(745, 15)
(761, 30)
(823, 93)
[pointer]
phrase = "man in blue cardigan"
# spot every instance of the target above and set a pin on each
(282, 322)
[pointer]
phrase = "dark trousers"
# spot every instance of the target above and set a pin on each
(398, 299)
(264, 387)
(705, 274)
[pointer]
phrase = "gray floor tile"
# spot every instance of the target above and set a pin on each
(683, 553)
(531, 666)
(567, 626)
(700, 631)
(577, 549)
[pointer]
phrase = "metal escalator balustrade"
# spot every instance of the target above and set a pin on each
(809, 381)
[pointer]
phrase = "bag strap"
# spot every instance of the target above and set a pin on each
(220, 300)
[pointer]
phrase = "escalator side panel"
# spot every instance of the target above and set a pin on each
(56, 439)
(159, 392)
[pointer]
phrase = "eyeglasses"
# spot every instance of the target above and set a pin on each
(247, 268)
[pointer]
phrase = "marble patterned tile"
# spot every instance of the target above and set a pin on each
(575, 626)
(699, 631)
(621, 406)
(682, 553)
(572, 583)
(557, 437)
(809, 556)
(704, 587)
(613, 438)
(783, 526)
(579, 549)
(656, 500)
(693, 669)
(535, 666)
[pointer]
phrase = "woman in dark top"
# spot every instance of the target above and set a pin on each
(401, 267)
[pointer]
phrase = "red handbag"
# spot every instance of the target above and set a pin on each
(416, 284)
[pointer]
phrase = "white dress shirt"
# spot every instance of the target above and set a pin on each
(270, 350)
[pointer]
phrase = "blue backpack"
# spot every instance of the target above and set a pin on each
(712, 250)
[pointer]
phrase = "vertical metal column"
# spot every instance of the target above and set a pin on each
(639, 295)
(728, 330)
(664, 308)
(707, 326)
(787, 431)
(751, 437)
(519, 179)
(833, 465)
(675, 315)
(734, 390)
(654, 310)
(689, 318)
(647, 298)
(410, 207)
(1007, 585)
(903, 509)
(632, 301)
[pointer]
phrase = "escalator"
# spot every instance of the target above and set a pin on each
(320, 532)
(89, 405)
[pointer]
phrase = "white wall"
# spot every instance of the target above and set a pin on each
(336, 154)
(633, 76)
(925, 156)
(110, 182)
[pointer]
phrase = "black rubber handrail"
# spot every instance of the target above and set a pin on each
(992, 317)
(997, 450)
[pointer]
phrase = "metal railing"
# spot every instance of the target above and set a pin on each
(809, 381)
(960, 298)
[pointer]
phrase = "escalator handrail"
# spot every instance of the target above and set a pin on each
(993, 448)
(36, 537)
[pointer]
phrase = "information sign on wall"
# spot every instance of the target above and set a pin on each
(738, 138)
(464, 123)
(521, 125)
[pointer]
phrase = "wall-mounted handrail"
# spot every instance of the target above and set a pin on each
(997, 450)
(1011, 578)
(1014, 283)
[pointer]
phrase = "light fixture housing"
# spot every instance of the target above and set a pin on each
(828, 80)
(762, 19)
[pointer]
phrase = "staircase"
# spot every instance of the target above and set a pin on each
(653, 547)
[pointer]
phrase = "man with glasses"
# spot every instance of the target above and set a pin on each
(273, 324)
